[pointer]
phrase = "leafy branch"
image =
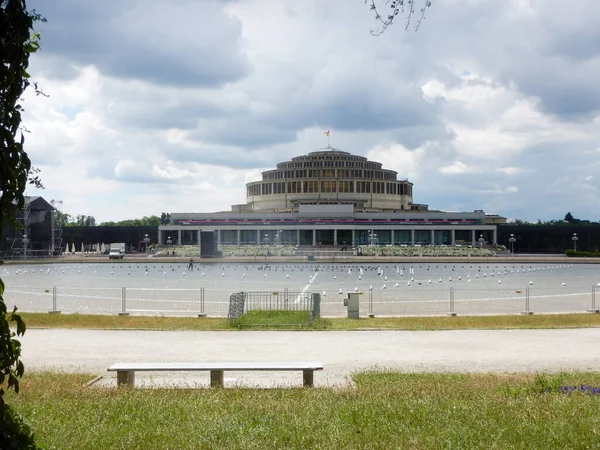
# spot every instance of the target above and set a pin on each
(398, 8)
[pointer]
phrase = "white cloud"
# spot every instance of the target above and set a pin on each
(454, 168)
(489, 104)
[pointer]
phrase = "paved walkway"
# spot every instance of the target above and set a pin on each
(340, 352)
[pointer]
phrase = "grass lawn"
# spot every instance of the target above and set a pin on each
(279, 319)
(45, 320)
(383, 411)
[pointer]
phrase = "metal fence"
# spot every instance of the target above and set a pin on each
(217, 303)
(268, 308)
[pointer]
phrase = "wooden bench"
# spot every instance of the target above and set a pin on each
(126, 371)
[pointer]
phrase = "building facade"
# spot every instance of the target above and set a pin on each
(331, 197)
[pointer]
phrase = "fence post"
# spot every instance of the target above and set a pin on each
(54, 310)
(123, 302)
(202, 313)
(593, 309)
(371, 312)
(527, 312)
(452, 313)
(316, 306)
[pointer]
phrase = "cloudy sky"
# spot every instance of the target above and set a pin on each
(173, 106)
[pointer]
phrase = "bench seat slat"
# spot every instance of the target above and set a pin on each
(249, 366)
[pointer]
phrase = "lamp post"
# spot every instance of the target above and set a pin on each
(169, 242)
(481, 241)
(146, 242)
(512, 241)
(372, 238)
(575, 239)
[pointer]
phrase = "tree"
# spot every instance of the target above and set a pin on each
(409, 9)
(152, 221)
(17, 43)
(165, 218)
(568, 217)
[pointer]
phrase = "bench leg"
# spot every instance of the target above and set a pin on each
(125, 378)
(216, 378)
(307, 378)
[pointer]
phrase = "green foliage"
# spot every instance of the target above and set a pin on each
(152, 221)
(165, 218)
(17, 43)
(572, 253)
(14, 432)
(11, 367)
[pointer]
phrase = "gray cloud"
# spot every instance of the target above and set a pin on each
(184, 43)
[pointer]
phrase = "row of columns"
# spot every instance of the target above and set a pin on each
(474, 238)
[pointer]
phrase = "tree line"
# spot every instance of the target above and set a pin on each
(568, 220)
(81, 220)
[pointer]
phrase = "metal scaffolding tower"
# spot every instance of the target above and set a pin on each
(21, 240)
(57, 225)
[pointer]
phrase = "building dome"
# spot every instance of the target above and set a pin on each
(329, 177)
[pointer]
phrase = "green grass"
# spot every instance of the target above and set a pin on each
(44, 320)
(384, 410)
(272, 319)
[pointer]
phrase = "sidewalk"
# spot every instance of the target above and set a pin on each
(341, 353)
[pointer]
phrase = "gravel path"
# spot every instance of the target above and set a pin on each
(500, 351)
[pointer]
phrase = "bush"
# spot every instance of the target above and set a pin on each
(572, 253)
(14, 432)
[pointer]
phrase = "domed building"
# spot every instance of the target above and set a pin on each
(331, 198)
(329, 177)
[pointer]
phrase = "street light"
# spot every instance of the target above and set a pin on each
(146, 242)
(481, 241)
(372, 238)
(169, 242)
(512, 241)
(575, 239)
